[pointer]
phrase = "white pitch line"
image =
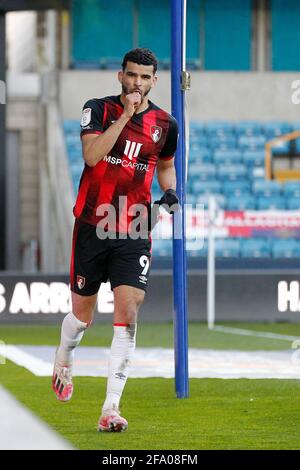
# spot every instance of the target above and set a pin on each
(159, 362)
(20, 429)
(258, 334)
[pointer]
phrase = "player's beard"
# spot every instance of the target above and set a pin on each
(127, 91)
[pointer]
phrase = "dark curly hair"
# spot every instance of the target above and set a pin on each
(140, 56)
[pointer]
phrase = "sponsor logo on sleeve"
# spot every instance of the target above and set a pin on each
(86, 117)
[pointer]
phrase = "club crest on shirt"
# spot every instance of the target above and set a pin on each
(80, 282)
(86, 117)
(156, 133)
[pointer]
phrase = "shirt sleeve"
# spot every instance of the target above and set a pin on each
(169, 148)
(92, 117)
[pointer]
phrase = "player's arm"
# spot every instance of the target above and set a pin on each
(166, 174)
(95, 147)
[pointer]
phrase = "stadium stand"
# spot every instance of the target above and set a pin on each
(226, 160)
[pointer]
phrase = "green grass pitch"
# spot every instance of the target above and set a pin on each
(220, 414)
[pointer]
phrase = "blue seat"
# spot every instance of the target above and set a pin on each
(296, 126)
(254, 157)
(228, 157)
(198, 140)
(227, 248)
(297, 145)
(72, 139)
(71, 126)
(276, 128)
(232, 172)
(194, 251)
(293, 203)
(286, 248)
(281, 147)
(197, 126)
(266, 188)
(248, 128)
(256, 173)
(291, 189)
(190, 198)
(204, 198)
(202, 171)
(251, 142)
(219, 127)
(162, 247)
(255, 248)
(200, 155)
(271, 203)
(241, 203)
(227, 141)
(236, 188)
(155, 186)
(207, 187)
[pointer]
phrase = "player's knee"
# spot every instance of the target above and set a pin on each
(85, 316)
(128, 314)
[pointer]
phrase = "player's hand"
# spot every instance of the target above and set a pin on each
(132, 102)
(170, 201)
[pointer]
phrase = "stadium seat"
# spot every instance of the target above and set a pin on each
(197, 126)
(273, 202)
(193, 249)
(71, 126)
(297, 145)
(286, 248)
(227, 157)
(200, 155)
(296, 126)
(293, 203)
(198, 140)
(204, 198)
(266, 188)
(256, 173)
(274, 129)
(255, 248)
(248, 128)
(227, 141)
(232, 172)
(236, 188)
(254, 157)
(218, 128)
(202, 171)
(162, 247)
(241, 203)
(251, 142)
(207, 187)
(190, 199)
(291, 189)
(281, 147)
(227, 248)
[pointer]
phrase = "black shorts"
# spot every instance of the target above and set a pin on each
(121, 261)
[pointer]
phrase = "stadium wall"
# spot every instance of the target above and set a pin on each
(231, 96)
(240, 296)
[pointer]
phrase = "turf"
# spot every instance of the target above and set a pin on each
(158, 335)
(220, 414)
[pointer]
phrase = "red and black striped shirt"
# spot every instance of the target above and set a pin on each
(129, 168)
